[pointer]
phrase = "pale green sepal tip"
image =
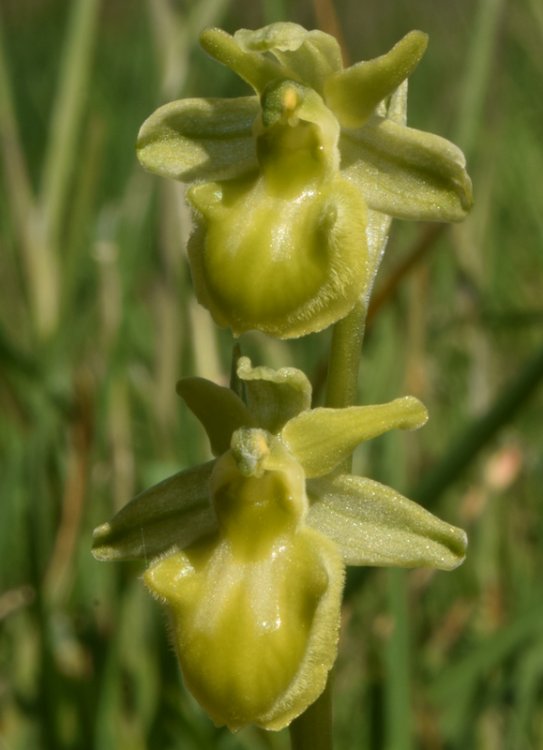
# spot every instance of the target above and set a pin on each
(218, 408)
(200, 139)
(172, 514)
(407, 173)
(322, 438)
(374, 525)
(274, 396)
(354, 93)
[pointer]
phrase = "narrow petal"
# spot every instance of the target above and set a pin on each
(314, 55)
(374, 525)
(274, 396)
(253, 67)
(407, 173)
(354, 93)
(322, 438)
(172, 514)
(200, 139)
(218, 408)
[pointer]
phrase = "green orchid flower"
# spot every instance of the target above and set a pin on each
(295, 186)
(248, 551)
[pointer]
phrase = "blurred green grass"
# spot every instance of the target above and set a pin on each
(98, 321)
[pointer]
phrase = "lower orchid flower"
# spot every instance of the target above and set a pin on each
(249, 550)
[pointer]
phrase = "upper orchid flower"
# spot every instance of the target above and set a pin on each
(250, 549)
(296, 185)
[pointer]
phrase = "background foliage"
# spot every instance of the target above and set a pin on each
(98, 321)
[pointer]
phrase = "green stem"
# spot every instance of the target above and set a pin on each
(313, 729)
(480, 58)
(397, 656)
(39, 278)
(61, 155)
(347, 336)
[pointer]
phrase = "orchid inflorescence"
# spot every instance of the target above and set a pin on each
(293, 190)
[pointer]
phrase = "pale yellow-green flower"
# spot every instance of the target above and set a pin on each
(248, 551)
(296, 185)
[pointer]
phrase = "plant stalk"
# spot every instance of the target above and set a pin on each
(344, 363)
(313, 729)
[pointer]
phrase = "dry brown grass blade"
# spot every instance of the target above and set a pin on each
(426, 241)
(328, 21)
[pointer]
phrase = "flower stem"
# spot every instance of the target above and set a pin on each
(347, 336)
(313, 729)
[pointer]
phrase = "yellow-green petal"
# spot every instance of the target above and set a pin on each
(407, 173)
(354, 93)
(200, 139)
(172, 514)
(254, 68)
(218, 408)
(322, 438)
(374, 525)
